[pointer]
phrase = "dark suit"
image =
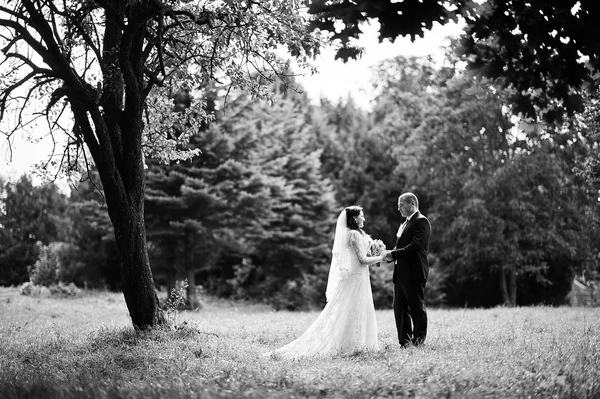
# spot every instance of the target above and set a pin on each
(411, 270)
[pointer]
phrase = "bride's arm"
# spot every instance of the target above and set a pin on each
(363, 259)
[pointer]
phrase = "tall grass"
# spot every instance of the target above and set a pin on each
(85, 347)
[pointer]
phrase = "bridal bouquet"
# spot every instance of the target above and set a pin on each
(376, 248)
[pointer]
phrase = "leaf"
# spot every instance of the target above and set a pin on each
(348, 52)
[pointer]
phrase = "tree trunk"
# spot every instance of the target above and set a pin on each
(123, 180)
(193, 301)
(503, 287)
(512, 279)
(138, 284)
(508, 286)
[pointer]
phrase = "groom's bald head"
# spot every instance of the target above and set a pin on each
(409, 198)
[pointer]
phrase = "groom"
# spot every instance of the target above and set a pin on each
(411, 270)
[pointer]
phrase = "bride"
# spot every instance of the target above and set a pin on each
(347, 323)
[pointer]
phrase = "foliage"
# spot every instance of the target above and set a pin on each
(63, 289)
(295, 236)
(490, 191)
(32, 213)
(27, 288)
(54, 348)
(587, 132)
(14, 258)
(544, 52)
(249, 217)
(46, 270)
(342, 19)
(28, 214)
(334, 127)
(175, 301)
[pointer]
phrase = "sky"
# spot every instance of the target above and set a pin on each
(335, 81)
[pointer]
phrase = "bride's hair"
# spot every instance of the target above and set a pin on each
(352, 212)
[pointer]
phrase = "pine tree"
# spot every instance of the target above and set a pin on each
(253, 198)
(296, 235)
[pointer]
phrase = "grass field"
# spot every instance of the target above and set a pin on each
(85, 347)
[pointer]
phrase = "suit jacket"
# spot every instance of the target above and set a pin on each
(410, 252)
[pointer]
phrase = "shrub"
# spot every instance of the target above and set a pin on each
(175, 301)
(46, 270)
(27, 288)
(64, 289)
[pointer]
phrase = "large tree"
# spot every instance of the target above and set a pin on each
(102, 73)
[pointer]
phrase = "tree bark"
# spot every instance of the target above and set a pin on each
(193, 301)
(192, 293)
(136, 275)
(124, 188)
(508, 286)
(513, 286)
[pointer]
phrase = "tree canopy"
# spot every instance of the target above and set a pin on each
(545, 52)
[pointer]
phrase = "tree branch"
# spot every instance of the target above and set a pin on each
(88, 40)
(38, 47)
(6, 93)
(31, 64)
(83, 129)
(13, 13)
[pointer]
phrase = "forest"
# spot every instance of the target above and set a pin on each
(513, 209)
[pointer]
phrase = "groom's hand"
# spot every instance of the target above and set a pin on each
(387, 256)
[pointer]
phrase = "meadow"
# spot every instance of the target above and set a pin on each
(85, 347)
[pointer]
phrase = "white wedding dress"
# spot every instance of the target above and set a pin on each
(347, 324)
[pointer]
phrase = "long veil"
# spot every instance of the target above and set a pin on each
(340, 260)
